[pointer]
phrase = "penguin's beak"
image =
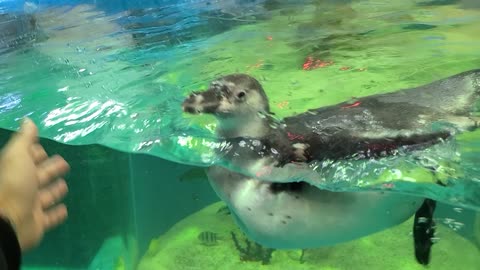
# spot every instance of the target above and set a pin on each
(202, 102)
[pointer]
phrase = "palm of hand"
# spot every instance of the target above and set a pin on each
(18, 184)
(26, 193)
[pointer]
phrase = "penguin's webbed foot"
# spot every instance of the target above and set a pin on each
(424, 231)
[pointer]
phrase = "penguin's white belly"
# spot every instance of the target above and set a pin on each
(309, 217)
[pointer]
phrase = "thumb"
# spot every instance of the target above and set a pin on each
(28, 132)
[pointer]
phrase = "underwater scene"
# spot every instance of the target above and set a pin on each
(252, 134)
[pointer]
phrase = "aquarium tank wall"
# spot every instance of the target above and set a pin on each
(107, 83)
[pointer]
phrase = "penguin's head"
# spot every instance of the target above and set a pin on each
(231, 96)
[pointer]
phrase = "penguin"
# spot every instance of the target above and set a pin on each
(297, 215)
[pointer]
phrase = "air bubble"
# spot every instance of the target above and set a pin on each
(458, 224)
(256, 143)
(422, 220)
(435, 239)
(447, 221)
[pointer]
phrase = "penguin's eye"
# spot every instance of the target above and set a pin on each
(241, 95)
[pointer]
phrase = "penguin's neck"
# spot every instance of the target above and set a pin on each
(245, 126)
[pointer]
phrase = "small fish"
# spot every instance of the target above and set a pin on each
(224, 210)
(208, 238)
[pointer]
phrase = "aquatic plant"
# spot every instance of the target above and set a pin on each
(253, 253)
(302, 256)
(224, 210)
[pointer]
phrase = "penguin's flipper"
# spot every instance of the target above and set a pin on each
(376, 147)
(346, 145)
(423, 231)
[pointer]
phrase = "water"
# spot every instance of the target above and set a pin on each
(114, 74)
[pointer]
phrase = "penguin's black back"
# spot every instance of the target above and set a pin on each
(384, 122)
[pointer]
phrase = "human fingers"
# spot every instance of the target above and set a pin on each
(55, 216)
(39, 154)
(51, 169)
(53, 193)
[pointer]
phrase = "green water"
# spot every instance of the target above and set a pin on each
(97, 81)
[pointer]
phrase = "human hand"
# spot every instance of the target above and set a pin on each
(30, 186)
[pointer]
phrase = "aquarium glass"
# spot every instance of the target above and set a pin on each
(105, 81)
